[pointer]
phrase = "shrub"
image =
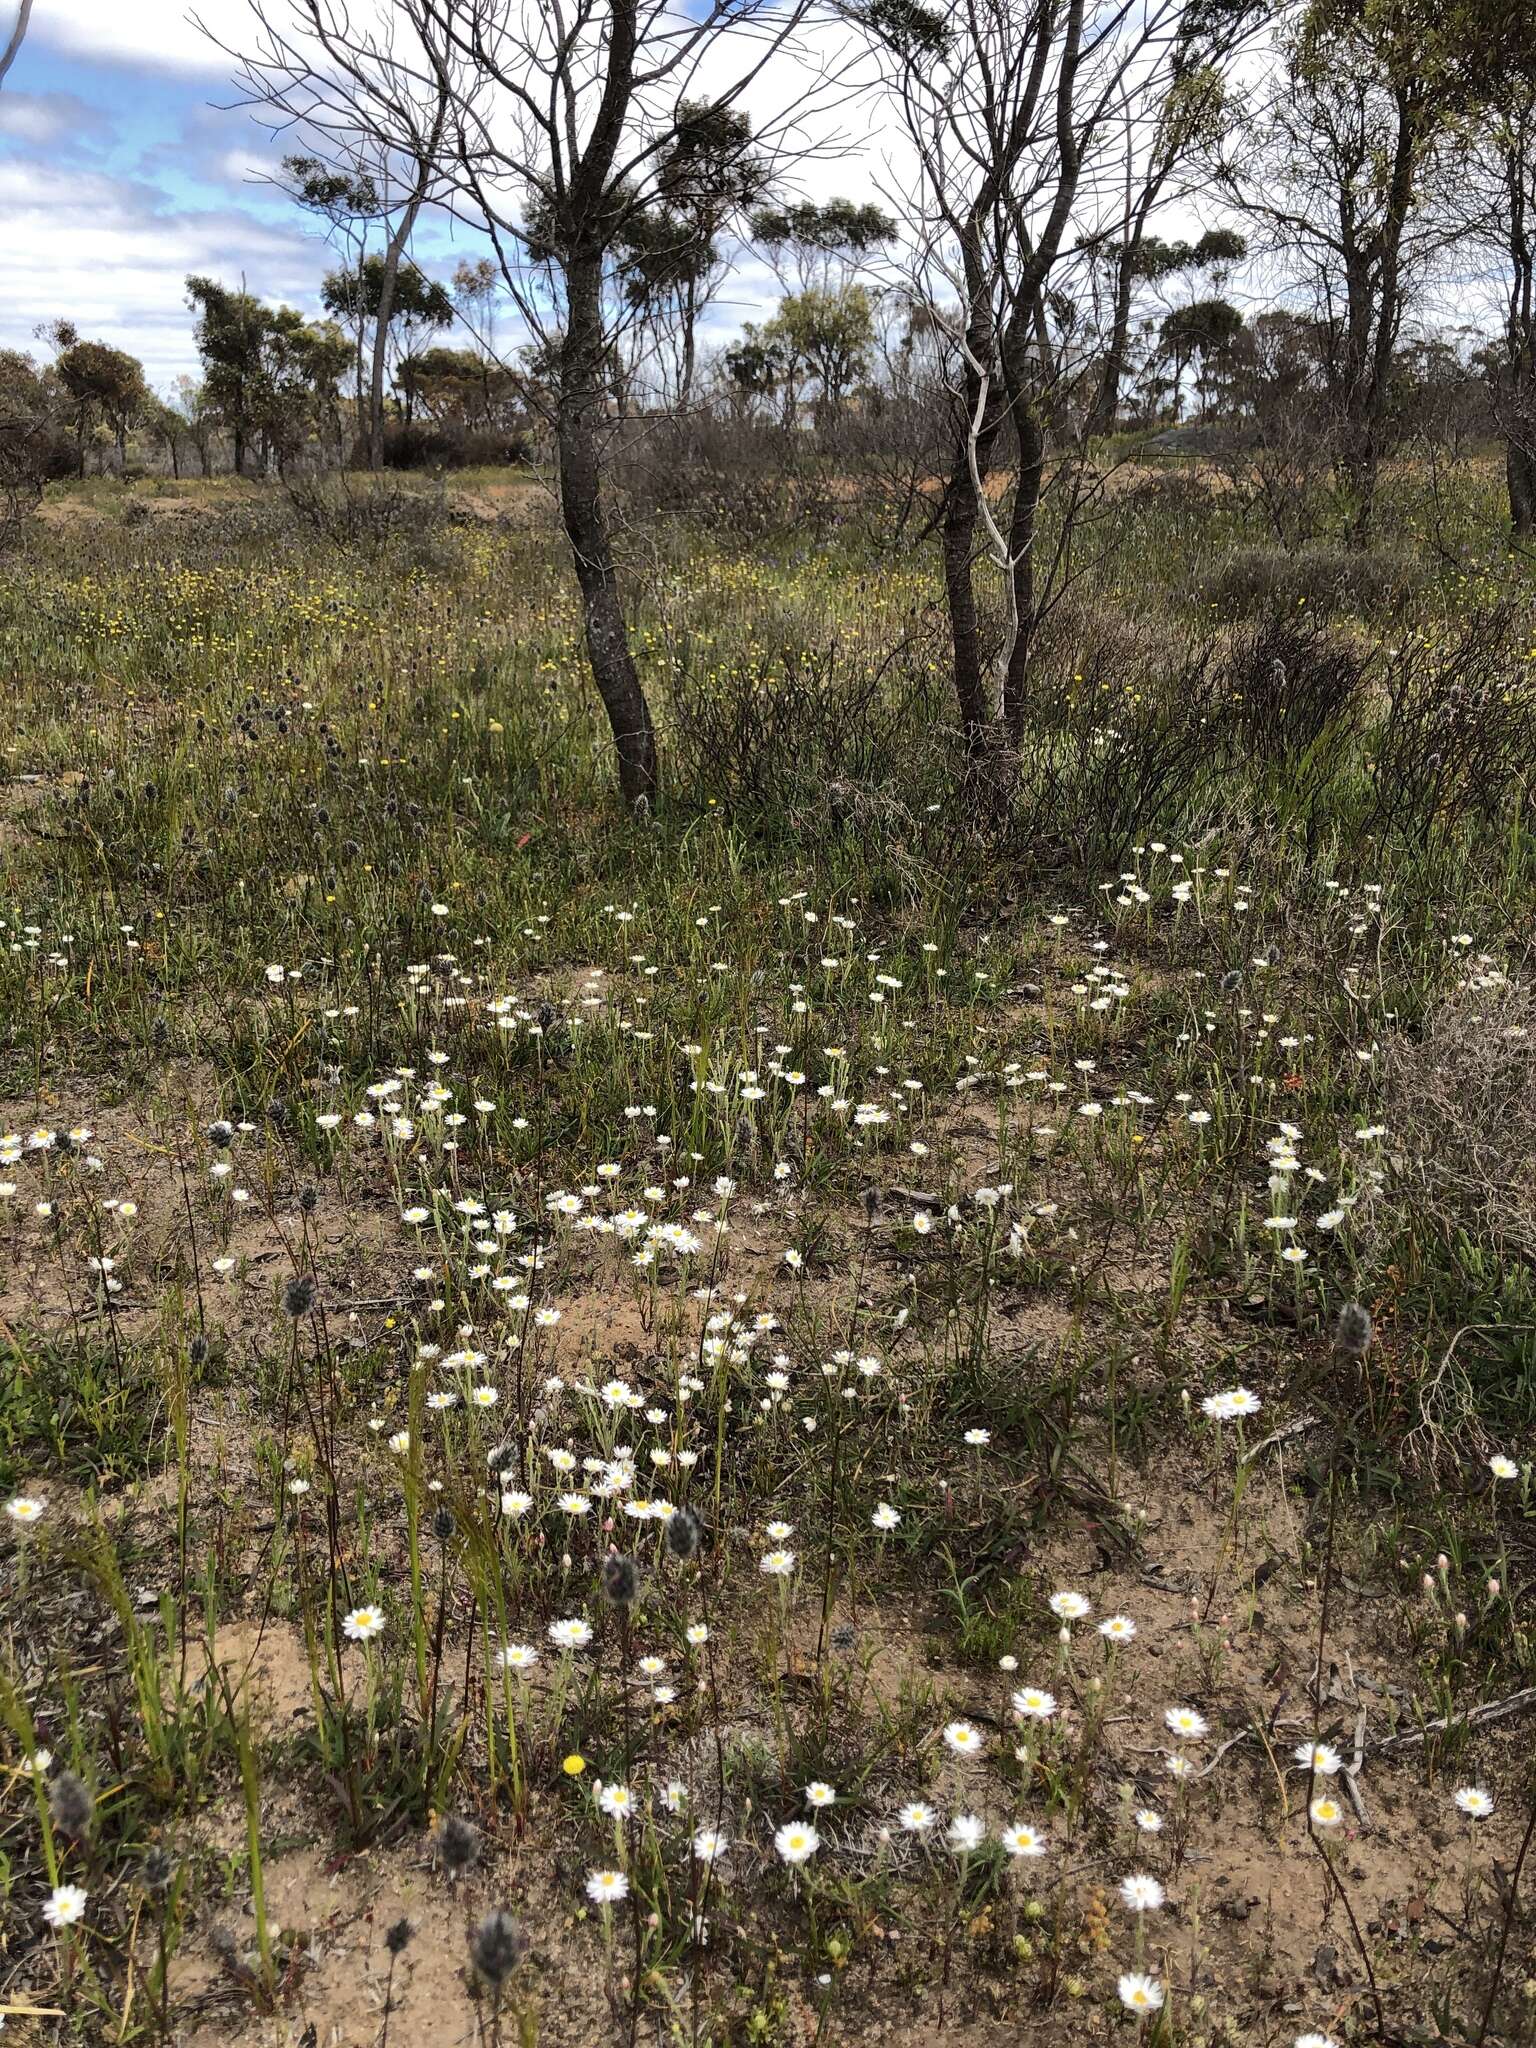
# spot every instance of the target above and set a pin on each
(1455, 1222)
(746, 481)
(1460, 1102)
(1288, 682)
(1457, 742)
(1317, 578)
(799, 726)
(1131, 736)
(362, 511)
(421, 445)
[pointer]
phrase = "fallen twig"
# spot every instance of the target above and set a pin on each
(1475, 1717)
(1279, 1436)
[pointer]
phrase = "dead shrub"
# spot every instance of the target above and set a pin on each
(1456, 1219)
(784, 733)
(1317, 578)
(1460, 1103)
(366, 511)
(1456, 744)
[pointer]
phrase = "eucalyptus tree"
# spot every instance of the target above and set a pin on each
(356, 181)
(1348, 166)
(1178, 112)
(1012, 113)
(1497, 185)
(557, 131)
(349, 201)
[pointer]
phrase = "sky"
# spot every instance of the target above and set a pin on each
(125, 166)
(120, 174)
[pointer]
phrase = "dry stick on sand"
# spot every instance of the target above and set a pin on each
(1474, 1717)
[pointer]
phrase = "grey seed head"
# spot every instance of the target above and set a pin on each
(70, 1804)
(299, 1295)
(497, 1946)
(621, 1581)
(1355, 1330)
(458, 1844)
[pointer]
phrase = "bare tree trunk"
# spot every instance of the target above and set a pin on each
(1359, 466)
(393, 251)
(17, 37)
(1106, 403)
(690, 318)
(1520, 473)
(578, 425)
(1028, 482)
(360, 412)
(977, 439)
(960, 519)
(1515, 388)
(1375, 315)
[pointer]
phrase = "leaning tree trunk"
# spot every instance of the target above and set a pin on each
(578, 425)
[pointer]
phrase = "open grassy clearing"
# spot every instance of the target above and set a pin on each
(535, 1340)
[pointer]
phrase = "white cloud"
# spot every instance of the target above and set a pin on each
(113, 254)
(243, 167)
(114, 259)
(45, 120)
(151, 35)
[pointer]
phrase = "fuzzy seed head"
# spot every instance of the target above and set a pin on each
(1355, 1330)
(70, 1804)
(299, 1295)
(458, 1844)
(685, 1534)
(621, 1581)
(497, 1946)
